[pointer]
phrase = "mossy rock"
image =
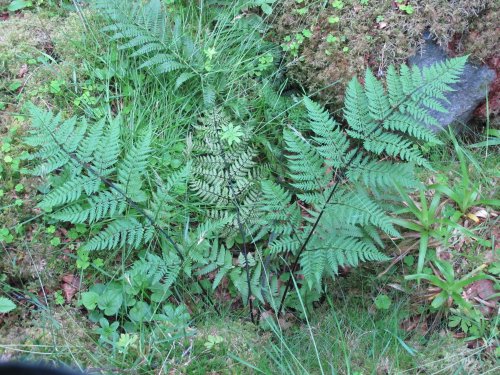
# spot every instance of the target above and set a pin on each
(346, 37)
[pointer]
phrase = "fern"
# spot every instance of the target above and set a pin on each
(91, 153)
(339, 177)
(160, 270)
(239, 279)
(219, 260)
(331, 206)
(121, 232)
(164, 44)
(224, 177)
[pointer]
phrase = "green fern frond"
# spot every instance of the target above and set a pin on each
(90, 142)
(404, 108)
(286, 244)
(346, 251)
(119, 233)
(108, 150)
(134, 165)
(238, 277)
(224, 177)
(312, 265)
(280, 213)
(305, 164)
(94, 154)
(357, 208)
(333, 144)
(381, 174)
(102, 205)
(68, 192)
(163, 269)
(221, 260)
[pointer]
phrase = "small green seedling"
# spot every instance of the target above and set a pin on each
(383, 302)
(333, 19)
(213, 342)
(55, 241)
(331, 39)
(58, 298)
(82, 260)
(6, 236)
(125, 341)
(50, 230)
(408, 9)
(338, 4)
(231, 133)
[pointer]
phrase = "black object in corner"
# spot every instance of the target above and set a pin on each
(18, 368)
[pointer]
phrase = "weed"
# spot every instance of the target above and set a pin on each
(450, 288)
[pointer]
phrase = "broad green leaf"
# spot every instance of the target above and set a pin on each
(110, 302)
(18, 5)
(89, 300)
(6, 305)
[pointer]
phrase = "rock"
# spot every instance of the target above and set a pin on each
(469, 92)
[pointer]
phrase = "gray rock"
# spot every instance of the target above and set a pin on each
(469, 92)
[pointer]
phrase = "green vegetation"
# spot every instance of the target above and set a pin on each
(346, 37)
(167, 205)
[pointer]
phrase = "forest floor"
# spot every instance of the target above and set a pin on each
(370, 320)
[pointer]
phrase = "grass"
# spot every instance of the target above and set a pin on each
(343, 332)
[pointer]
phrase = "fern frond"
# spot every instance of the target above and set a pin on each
(381, 174)
(406, 107)
(121, 232)
(102, 205)
(133, 166)
(68, 192)
(333, 144)
(106, 154)
(312, 264)
(346, 251)
(305, 164)
(357, 208)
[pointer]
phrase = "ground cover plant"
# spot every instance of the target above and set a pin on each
(167, 205)
(330, 41)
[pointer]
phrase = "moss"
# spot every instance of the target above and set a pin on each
(443, 352)
(36, 48)
(378, 34)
